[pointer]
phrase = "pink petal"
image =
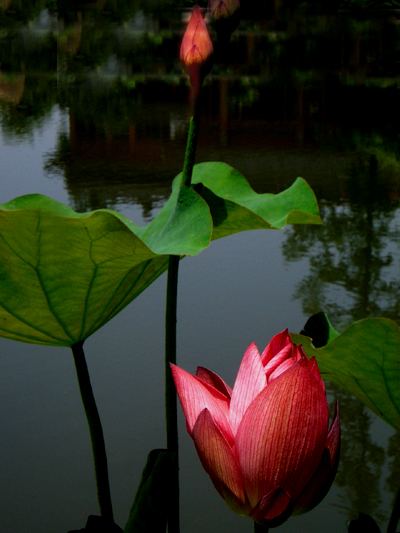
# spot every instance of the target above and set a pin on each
(273, 509)
(280, 369)
(250, 381)
(196, 43)
(282, 436)
(283, 360)
(201, 39)
(195, 395)
(193, 56)
(219, 461)
(278, 359)
(333, 440)
(195, 17)
(214, 380)
(318, 486)
(313, 366)
(276, 345)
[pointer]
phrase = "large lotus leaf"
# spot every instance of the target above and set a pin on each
(235, 206)
(64, 274)
(365, 361)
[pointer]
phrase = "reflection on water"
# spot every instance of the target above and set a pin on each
(354, 258)
(299, 92)
(362, 460)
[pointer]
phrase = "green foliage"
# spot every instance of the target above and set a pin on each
(364, 360)
(63, 275)
(236, 207)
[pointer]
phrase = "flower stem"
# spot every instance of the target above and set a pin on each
(190, 150)
(170, 353)
(395, 516)
(170, 324)
(96, 433)
(170, 393)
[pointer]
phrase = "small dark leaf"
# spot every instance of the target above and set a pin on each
(319, 329)
(149, 511)
(363, 524)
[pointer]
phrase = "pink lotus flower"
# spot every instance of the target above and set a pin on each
(266, 443)
(196, 48)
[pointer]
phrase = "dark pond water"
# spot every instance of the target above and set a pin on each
(93, 112)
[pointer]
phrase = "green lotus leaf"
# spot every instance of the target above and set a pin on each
(235, 206)
(365, 361)
(65, 274)
(61, 278)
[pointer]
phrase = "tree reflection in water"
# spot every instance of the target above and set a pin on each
(354, 256)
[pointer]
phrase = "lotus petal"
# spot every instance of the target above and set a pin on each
(282, 435)
(217, 457)
(195, 395)
(250, 381)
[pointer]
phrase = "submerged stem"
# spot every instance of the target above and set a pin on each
(96, 432)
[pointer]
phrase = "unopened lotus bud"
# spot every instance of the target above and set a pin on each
(196, 49)
(265, 443)
(225, 16)
(223, 8)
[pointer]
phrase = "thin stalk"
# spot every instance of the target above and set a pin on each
(193, 134)
(170, 393)
(170, 353)
(96, 433)
(190, 150)
(395, 516)
(170, 325)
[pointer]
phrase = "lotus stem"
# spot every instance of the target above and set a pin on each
(193, 134)
(170, 324)
(170, 353)
(170, 393)
(395, 516)
(96, 433)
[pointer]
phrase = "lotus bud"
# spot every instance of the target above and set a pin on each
(225, 16)
(196, 49)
